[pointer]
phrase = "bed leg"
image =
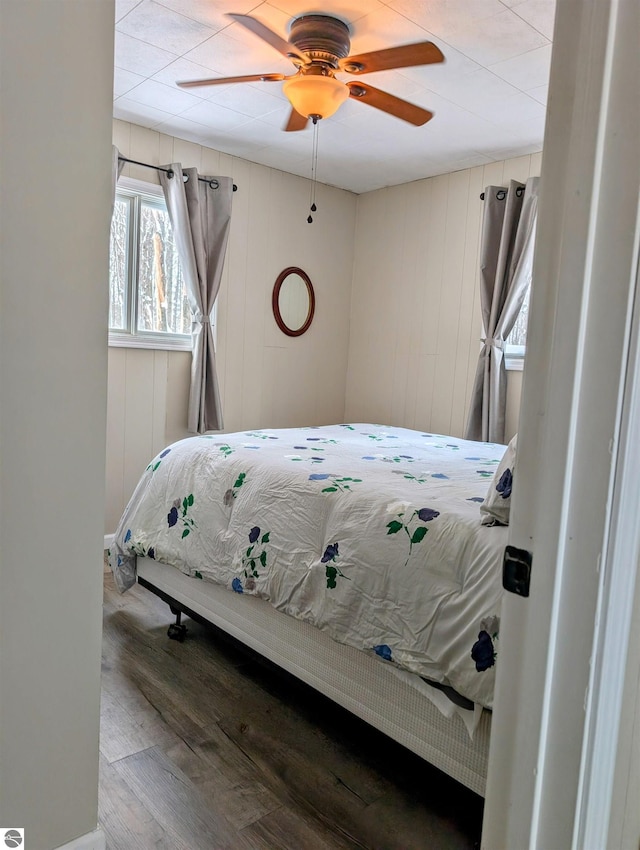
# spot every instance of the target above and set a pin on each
(177, 631)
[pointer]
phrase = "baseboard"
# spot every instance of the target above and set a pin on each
(90, 841)
(108, 540)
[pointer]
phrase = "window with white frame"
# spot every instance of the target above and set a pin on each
(148, 306)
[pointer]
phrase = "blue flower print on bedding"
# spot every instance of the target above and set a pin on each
(155, 464)
(330, 553)
(127, 536)
(427, 514)
(331, 570)
(483, 651)
(504, 485)
(236, 585)
(255, 555)
(384, 651)
(179, 511)
(319, 476)
(140, 550)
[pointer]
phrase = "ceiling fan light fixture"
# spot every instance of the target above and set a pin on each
(315, 95)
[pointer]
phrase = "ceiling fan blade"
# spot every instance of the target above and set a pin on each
(296, 122)
(262, 31)
(216, 81)
(389, 103)
(404, 56)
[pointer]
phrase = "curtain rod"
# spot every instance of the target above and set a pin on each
(501, 194)
(213, 182)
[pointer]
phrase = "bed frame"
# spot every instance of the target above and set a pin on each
(355, 680)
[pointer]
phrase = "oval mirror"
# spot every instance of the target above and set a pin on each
(294, 301)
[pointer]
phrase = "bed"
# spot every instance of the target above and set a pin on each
(351, 555)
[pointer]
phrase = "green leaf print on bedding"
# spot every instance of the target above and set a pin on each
(232, 492)
(415, 533)
(331, 570)
(255, 554)
(341, 484)
(179, 511)
(335, 483)
(419, 479)
(156, 463)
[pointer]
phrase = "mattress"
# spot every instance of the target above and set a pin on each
(368, 533)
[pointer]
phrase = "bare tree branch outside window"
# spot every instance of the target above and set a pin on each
(518, 335)
(159, 291)
(118, 266)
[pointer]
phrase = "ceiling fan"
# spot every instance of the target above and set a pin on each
(319, 47)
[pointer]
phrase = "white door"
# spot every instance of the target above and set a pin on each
(576, 506)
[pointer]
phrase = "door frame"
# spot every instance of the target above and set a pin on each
(558, 696)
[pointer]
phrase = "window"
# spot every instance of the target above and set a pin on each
(515, 343)
(148, 306)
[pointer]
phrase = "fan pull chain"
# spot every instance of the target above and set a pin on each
(314, 169)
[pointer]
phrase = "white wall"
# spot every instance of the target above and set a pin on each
(408, 354)
(415, 312)
(55, 105)
(266, 378)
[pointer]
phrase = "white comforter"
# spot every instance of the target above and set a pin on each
(370, 533)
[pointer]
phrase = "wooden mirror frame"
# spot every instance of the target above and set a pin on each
(276, 306)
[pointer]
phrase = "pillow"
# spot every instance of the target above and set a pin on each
(497, 504)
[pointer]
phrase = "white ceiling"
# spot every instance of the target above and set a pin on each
(488, 97)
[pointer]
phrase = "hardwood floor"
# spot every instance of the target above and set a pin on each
(204, 746)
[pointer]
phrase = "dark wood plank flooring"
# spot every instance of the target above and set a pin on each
(204, 746)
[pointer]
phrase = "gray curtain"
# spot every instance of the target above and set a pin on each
(506, 259)
(200, 216)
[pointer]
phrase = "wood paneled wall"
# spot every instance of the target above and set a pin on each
(395, 337)
(266, 378)
(415, 311)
